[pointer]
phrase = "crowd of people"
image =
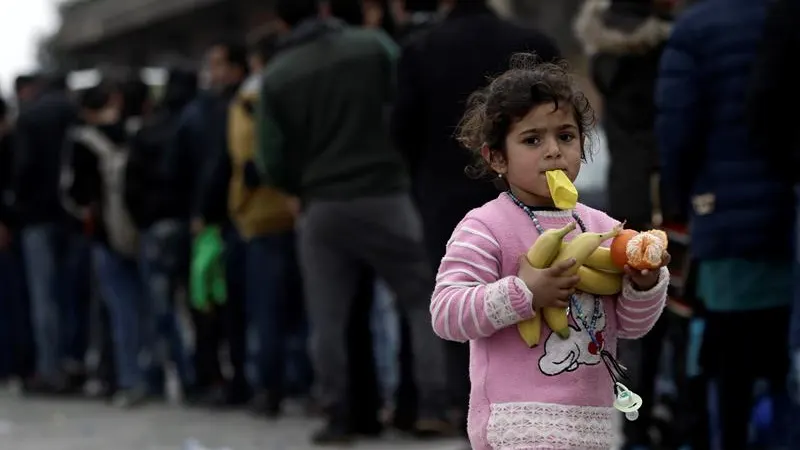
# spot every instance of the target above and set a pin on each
(269, 228)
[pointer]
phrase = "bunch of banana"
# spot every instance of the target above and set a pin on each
(541, 256)
(601, 277)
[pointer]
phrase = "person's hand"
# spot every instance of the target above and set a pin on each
(551, 287)
(644, 280)
(295, 205)
(197, 225)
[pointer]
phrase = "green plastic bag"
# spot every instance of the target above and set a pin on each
(207, 277)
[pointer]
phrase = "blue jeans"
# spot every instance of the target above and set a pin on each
(9, 316)
(276, 318)
(163, 265)
(794, 337)
(385, 326)
(121, 289)
(52, 257)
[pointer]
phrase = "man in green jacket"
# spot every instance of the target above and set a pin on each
(323, 138)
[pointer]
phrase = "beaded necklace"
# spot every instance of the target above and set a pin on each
(615, 369)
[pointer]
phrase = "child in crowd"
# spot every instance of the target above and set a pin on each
(559, 394)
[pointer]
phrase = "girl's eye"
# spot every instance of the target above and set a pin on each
(533, 140)
(567, 137)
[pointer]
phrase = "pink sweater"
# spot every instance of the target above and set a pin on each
(559, 394)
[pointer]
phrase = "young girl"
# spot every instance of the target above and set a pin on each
(558, 395)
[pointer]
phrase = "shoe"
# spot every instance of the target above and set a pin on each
(332, 434)
(129, 398)
(266, 404)
(432, 428)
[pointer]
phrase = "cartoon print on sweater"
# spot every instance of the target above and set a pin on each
(566, 355)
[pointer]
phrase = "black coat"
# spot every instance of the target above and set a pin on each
(437, 72)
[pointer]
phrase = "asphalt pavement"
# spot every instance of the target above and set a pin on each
(39, 424)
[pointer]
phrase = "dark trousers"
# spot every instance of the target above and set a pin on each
(276, 316)
(18, 357)
(224, 324)
(642, 357)
(364, 400)
(734, 362)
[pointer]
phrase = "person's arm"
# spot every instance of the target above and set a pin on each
(271, 156)
(23, 171)
(678, 120)
(638, 311)
(470, 300)
(81, 183)
(773, 83)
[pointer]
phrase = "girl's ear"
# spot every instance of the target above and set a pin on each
(494, 159)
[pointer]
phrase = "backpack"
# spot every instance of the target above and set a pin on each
(122, 234)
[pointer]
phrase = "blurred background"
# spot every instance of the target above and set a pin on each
(156, 301)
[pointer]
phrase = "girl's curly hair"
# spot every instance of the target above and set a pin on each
(529, 82)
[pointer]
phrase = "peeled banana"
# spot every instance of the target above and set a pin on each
(563, 192)
(541, 255)
(598, 282)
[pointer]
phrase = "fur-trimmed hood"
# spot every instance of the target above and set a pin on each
(596, 36)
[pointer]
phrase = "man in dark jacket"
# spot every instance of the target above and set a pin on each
(100, 138)
(773, 88)
(438, 70)
(740, 207)
(12, 318)
(160, 207)
(323, 138)
(46, 239)
(624, 39)
(203, 140)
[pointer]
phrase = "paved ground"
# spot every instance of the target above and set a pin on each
(28, 424)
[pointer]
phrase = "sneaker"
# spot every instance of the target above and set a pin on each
(129, 398)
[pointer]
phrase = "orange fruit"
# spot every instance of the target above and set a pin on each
(640, 251)
(619, 254)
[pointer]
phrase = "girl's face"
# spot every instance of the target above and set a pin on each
(545, 139)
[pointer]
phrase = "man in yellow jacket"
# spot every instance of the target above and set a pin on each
(265, 219)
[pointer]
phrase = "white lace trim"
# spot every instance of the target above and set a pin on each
(497, 305)
(523, 426)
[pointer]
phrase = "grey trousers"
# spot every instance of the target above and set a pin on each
(335, 239)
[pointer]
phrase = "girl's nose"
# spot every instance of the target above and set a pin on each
(553, 150)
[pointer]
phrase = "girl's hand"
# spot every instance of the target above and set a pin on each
(550, 287)
(644, 280)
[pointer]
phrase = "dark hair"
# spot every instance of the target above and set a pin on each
(350, 11)
(295, 11)
(265, 45)
(235, 54)
(25, 80)
(181, 88)
(56, 81)
(529, 82)
(96, 97)
(422, 5)
(3, 109)
(135, 93)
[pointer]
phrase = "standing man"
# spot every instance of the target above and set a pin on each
(46, 233)
(437, 72)
(323, 138)
(772, 88)
(739, 206)
(202, 142)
